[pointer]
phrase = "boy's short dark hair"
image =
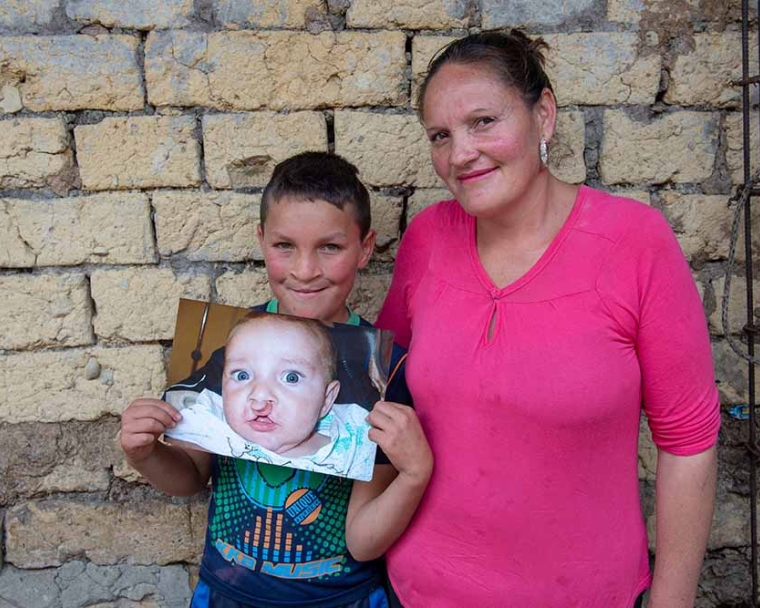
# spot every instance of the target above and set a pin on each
(319, 176)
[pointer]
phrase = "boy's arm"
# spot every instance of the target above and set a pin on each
(171, 469)
(380, 510)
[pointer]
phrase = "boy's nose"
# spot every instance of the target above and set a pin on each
(305, 268)
(261, 407)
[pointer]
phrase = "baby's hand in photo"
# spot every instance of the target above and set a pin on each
(142, 423)
(397, 430)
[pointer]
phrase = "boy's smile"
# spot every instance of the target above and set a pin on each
(275, 387)
(313, 251)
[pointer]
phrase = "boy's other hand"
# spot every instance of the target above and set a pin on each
(397, 430)
(142, 423)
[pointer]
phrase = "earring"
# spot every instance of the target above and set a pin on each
(543, 152)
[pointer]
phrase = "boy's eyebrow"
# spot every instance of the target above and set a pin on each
(232, 362)
(327, 237)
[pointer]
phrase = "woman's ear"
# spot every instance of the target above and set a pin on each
(545, 114)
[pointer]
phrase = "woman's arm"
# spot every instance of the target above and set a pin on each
(685, 494)
(380, 510)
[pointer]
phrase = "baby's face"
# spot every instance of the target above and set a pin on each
(275, 388)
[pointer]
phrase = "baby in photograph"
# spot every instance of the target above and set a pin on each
(279, 388)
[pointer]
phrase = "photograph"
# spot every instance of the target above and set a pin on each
(278, 389)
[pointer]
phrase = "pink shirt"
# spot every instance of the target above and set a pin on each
(534, 500)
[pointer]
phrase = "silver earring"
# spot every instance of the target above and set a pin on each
(543, 152)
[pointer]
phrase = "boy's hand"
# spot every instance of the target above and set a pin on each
(142, 423)
(396, 429)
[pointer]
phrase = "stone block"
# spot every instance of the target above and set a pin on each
(566, 147)
(730, 526)
(57, 73)
(135, 14)
(726, 579)
(625, 11)
(386, 220)
(140, 304)
(619, 73)
(677, 147)
(388, 149)
(734, 145)
(251, 70)
(27, 16)
(737, 306)
(409, 14)
(68, 390)
(730, 373)
(704, 75)
(98, 229)
(241, 150)
(34, 153)
(647, 453)
(29, 588)
(207, 226)
(246, 288)
(39, 458)
(638, 195)
(497, 13)
(44, 310)
(424, 197)
(701, 222)
(368, 294)
(286, 14)
(45, 533)
(138, 152)
(424, 48)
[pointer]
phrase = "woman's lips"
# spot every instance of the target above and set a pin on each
(475, 175)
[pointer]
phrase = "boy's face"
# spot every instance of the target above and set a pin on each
(275, 389)
(313, 251)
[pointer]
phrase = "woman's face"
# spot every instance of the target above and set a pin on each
(484, 138)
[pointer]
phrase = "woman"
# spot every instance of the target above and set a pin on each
(541, 317)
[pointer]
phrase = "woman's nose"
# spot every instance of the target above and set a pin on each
(462, 150)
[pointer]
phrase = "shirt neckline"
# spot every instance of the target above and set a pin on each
(542, 261)
(353, 319)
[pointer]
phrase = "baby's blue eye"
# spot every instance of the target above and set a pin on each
(241, 375)
(292, 377)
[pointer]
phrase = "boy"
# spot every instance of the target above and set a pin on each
(280, 537)
(279, 388)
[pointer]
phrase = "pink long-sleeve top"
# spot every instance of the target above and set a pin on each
(534, 500)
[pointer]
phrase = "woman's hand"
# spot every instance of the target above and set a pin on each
(397, 430)
(142, 423)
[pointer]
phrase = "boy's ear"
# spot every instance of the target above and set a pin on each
(260, 236)
(331, 394)
(368, 246)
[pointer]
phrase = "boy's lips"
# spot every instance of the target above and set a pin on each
(262, 424)
(307, 293)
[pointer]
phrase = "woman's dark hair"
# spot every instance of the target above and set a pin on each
(510, 55)
(322, 176)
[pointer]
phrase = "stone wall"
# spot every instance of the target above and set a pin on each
(135, 138)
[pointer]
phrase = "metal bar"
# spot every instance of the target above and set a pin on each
(747, 82)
